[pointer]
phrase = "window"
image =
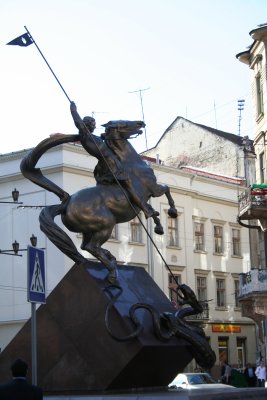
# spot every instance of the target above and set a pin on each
(172, 238)
(236, 293)
(236, 242)
(218, 239)
(199, 236)
(114, 233)
(136, 230)
(223, 349)
(259, 95)
(262, 167)
(220, 288)
(173, 286)
(202, 288)
(241, 352)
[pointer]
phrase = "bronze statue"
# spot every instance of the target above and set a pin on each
(125, 183)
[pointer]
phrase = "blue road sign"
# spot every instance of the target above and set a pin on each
(36, 275)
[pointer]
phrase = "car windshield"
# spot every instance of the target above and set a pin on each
(198, 379)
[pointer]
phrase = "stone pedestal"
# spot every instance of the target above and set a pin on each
(76, 354)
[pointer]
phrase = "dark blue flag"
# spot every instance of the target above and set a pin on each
(23, 40)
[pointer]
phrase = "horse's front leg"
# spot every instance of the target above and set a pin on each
(158, 191)
(172, 211)
(158, 228)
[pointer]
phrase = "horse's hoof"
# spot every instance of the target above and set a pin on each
(159, 230)
(172, 212)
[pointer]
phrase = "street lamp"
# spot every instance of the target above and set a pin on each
(15, 197)
(33, 240)
(15, 247)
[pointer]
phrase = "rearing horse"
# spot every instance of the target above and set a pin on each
(96, 210)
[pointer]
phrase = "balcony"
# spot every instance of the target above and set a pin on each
(252, 283)
(253, 203)
(202, 316)
(253, 298)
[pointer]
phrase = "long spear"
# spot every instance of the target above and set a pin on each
(25, 40)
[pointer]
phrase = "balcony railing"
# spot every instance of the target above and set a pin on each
(255, 281)
(202, 316)
(253, 203)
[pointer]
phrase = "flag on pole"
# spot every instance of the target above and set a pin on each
(23, 40)
(26, 40)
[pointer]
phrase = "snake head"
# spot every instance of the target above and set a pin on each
(189, 297)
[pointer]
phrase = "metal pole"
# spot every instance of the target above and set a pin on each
(141, 100)
(34, 344)
(48, 64)
(142, 109)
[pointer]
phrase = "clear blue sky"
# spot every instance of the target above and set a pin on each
(183, 51)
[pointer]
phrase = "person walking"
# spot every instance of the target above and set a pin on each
(19, 388)
(250, 376)
(227, 374)
(261, 374)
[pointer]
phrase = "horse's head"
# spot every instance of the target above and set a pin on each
(122, 129)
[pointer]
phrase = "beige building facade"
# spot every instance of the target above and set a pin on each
(205, 247)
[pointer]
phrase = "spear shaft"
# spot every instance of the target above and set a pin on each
(47, 64)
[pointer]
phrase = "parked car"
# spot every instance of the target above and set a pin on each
(196, 381)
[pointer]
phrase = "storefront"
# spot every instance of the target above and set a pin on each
(233, 343)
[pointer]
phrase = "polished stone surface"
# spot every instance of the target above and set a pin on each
(76, 354)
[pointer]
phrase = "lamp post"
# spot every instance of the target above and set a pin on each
(16, 251)
(15, 247)
(15, 197)
(33, 240)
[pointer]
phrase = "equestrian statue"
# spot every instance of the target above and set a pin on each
(124, 184)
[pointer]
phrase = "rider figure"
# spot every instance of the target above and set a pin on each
(108, 166)
(95, 146)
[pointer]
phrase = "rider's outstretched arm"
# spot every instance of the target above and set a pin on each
(76, 117)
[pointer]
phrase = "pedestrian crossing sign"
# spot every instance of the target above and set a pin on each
(36, 275)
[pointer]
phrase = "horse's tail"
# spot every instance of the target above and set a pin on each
(57, 236)
(47, 224)
(35, 175)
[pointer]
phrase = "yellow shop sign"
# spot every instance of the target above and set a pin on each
(226, 328)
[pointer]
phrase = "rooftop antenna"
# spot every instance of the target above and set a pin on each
(240, 105)
(98, 112)
(140, 91)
